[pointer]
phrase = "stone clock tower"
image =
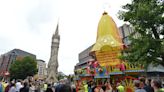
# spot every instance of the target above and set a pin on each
(53, 62)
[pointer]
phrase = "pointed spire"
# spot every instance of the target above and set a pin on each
(57, 29)
(56, 33)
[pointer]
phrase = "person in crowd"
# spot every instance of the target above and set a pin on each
(108, 87)
(49, 89)
(73, 87)
(120, 87)
(89, 86)
(18, 86)
(103, 88)
(157, 85)
(85, 87)
(93, 86)
(12, 87)
(7, 88)
(42, 86)
(65, 88)
(57, 88)
(148, 87)
(142, 82)
(25, 87)
(4, 85)
(37, 87)
(80, 87)
(32, 87)
(1, 87)
(138, 87)
(98, 89)
(45, 86)
(53, 86)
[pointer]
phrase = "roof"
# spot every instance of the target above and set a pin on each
(21, 52)
(40, 60)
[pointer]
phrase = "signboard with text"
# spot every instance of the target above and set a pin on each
(108, 58)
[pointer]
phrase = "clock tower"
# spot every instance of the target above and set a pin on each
(53, 62)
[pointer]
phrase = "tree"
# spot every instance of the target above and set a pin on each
(61, 75)
(147, 18)
(20, 69)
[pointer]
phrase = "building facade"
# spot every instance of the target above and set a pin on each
(41, 65)
(84, 58)
(8, 58)
(125, 31)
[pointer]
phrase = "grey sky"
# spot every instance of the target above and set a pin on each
(29, 25)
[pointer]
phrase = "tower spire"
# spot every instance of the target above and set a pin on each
(53, 62)
(57, 29)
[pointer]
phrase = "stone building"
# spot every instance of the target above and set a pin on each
(53, 62)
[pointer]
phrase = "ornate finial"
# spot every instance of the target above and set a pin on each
(105, 13)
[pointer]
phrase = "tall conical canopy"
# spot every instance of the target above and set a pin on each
(108, 37)
(108, 43)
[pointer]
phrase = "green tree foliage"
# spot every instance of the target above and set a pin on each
(147, 18)
(20, 69)
(61, 75)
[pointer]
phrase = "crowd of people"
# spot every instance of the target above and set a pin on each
(139, 85)
(36, 86)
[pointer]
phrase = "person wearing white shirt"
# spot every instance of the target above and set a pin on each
(18, 86)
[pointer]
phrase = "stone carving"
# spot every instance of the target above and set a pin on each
(52, 71)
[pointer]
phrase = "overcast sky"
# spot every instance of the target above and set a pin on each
(29, 25)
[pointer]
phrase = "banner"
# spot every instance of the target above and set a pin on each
(108, 58)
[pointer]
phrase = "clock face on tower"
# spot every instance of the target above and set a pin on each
(55, 40)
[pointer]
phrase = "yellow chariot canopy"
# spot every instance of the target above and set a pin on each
(108, 44)
(108, 38)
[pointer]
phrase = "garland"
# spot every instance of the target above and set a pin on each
(100, 70)
(92, 71)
